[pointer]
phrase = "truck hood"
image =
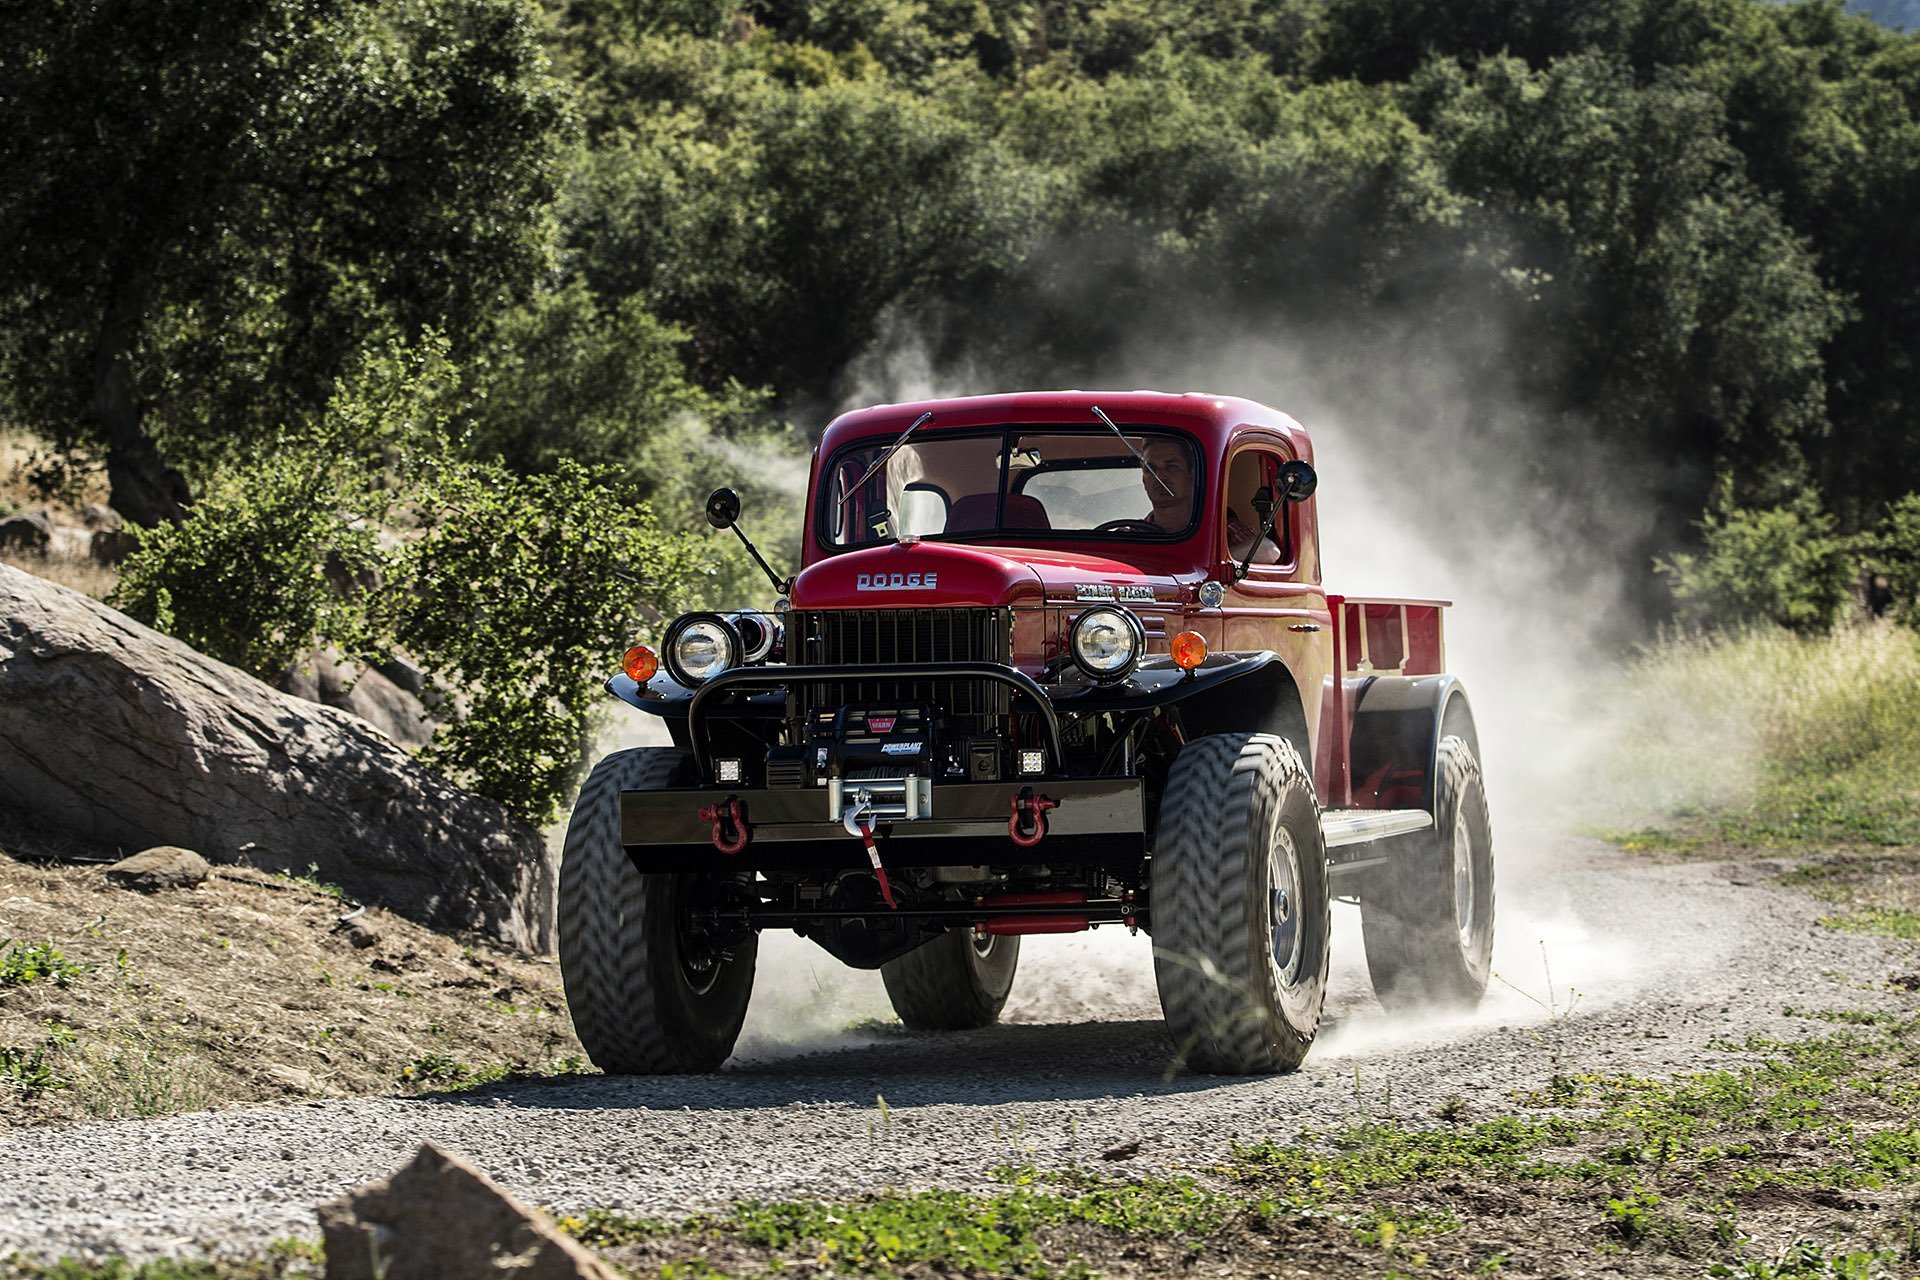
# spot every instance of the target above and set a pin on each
(948, 575)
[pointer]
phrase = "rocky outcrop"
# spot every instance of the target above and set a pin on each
(161, 867)
(115, 733)
(327, 678)
(442, 1219)
(30, 531)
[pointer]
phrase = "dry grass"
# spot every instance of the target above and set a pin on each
(244, 991)
(1771, 737)
(80, 571)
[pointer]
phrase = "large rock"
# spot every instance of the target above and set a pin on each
(328, 678)
(118, 734)
(162, 867)
(442, 1219)
(28, 531)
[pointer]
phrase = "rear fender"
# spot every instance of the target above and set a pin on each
(1398, 722)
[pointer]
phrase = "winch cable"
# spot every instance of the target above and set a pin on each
(857, 826)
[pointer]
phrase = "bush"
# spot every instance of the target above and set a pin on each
(514, 593)
(1787, 566)
(267, 563)
(518, 593)
(1896, 556)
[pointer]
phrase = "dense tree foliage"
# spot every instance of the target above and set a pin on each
(1672, 239)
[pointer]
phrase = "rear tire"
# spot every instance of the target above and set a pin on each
(1239, 904)
(957, 982)
(645, 998)
(1428, 921)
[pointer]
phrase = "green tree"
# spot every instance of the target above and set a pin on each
(211, 206)
(364, 530)
(1785, 566)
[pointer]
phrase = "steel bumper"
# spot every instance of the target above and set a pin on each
(1094, 820)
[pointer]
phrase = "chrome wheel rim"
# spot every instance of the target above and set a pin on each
(1283, 908)
(1463, 912)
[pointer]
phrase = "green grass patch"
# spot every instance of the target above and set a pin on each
(1767, 739)
(284, 1260)
(1887, 922)
(25, 962)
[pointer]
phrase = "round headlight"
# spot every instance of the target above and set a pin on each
(1106, 643)
(758, 633)
(699, 647)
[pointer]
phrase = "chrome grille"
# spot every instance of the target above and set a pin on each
(857, 637)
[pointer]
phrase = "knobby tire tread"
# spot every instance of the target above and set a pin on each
(1208, 963)
(939, 987)
(604, 905)
(1412, 943)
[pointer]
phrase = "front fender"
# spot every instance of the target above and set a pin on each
(1157, 682)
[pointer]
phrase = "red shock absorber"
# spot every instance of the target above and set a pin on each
(730, 829)
(1066, 921)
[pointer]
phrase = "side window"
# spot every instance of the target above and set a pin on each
(1250, 471)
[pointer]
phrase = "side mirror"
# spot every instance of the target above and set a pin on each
(723, 508)
(1297, 481)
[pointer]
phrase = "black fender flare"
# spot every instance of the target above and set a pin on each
(1228, 693)
(1398, 722)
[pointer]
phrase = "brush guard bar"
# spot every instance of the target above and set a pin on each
(740, 679)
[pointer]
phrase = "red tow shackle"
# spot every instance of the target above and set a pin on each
(1027, 826)
(730, 830)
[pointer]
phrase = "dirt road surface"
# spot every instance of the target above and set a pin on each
(1672, 964)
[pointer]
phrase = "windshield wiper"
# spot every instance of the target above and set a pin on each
(861, 483)
(1139, 457)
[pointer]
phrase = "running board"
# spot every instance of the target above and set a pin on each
(1359, 826)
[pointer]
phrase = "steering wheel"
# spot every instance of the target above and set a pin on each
(1128, 526)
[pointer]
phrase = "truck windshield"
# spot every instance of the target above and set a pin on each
(1016, 482)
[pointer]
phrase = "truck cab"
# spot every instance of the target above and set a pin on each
(1051, 661)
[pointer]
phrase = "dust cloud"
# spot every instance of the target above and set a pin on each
(1436, 480)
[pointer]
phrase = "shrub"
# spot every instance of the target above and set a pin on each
(1787, 566)
(517, 593)
(514, 593)
(1896, 555)
(267, 563)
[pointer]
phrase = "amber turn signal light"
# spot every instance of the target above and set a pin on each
(1189, 650)
(640, 664)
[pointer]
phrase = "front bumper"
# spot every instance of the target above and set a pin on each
(1095, 820)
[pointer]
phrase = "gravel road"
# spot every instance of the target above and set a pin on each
(1666, 960)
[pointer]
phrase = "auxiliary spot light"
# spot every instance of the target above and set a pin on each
(640, 664)
(1189, 650)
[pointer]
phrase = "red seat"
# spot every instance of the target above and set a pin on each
(975, 512)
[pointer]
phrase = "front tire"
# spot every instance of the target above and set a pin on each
(1428, 922)
(646, 996)
(957, 982)
(1241, 916)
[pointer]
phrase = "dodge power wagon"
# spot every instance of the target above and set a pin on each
(1051, 661)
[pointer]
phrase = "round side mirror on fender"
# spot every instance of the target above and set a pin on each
(1297, 481)
(723, 508)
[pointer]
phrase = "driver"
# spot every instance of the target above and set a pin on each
(1168, 478)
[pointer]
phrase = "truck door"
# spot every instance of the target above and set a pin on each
(1279, 604)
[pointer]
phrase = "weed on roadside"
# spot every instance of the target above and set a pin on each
(25, 962)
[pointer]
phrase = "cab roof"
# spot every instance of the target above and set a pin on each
(1212, 419)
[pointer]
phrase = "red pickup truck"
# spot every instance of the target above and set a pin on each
(1051, 661)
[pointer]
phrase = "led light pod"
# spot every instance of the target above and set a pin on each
(699, 646)
(1106, 643)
